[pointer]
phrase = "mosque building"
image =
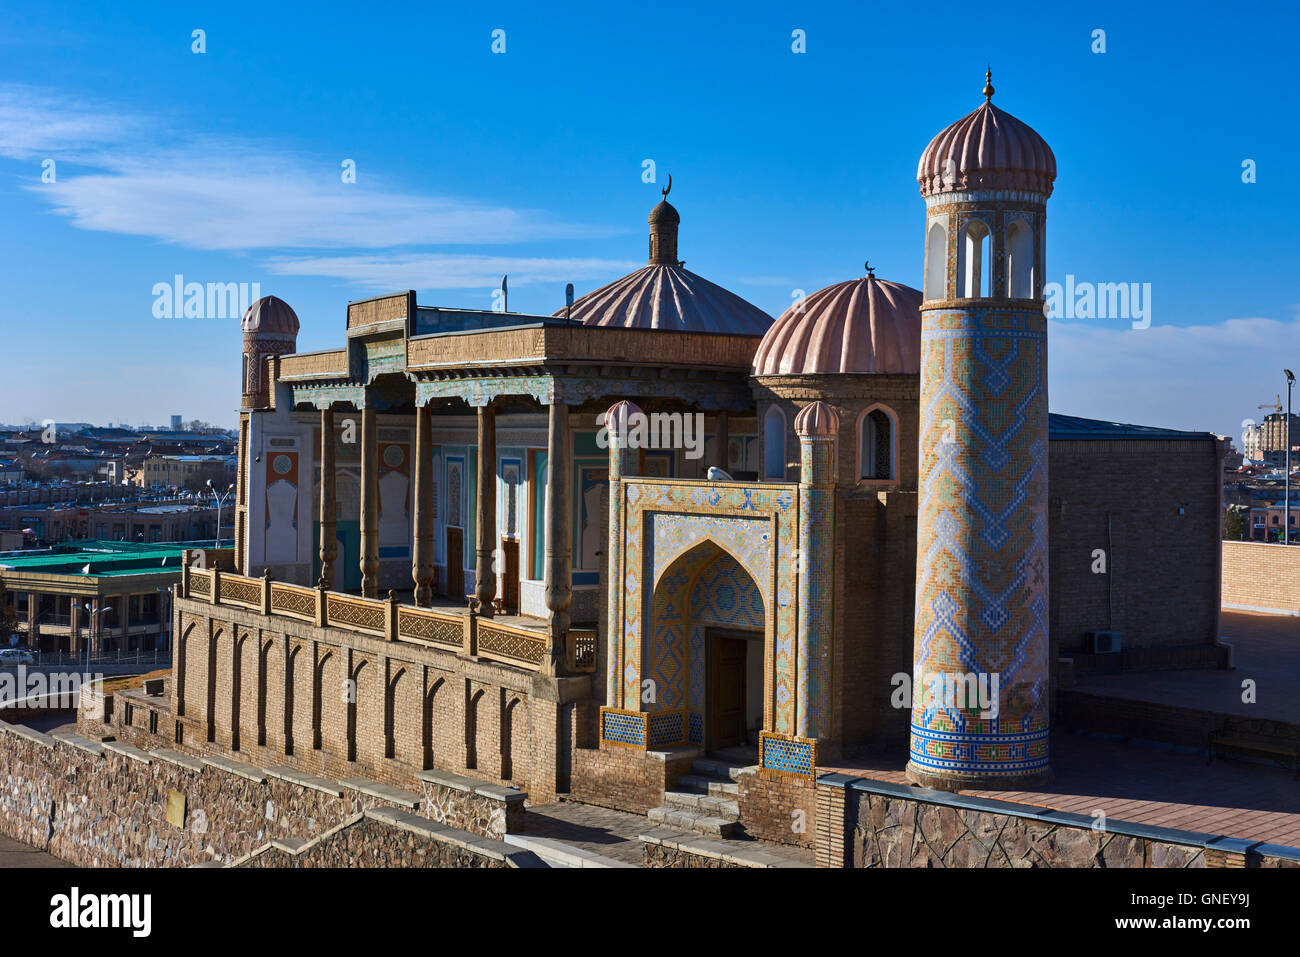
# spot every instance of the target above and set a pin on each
(457, 514)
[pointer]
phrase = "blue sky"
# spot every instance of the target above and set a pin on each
(789, 171)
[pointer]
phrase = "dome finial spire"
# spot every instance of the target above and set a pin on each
(663, 231)
(988, 83)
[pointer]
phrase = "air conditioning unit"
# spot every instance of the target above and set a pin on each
(1102, 642)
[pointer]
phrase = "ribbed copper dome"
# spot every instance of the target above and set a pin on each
(669, 297)
(862, 325)
(271, 315)
(817, 418)
(665, 295)
(987, 149)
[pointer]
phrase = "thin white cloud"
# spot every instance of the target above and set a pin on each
(450, 271)
(1207, 377)
(237, 195)
(35, 122)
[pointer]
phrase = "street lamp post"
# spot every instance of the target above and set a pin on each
(93, 630)
(1286, 518)
(220, 500)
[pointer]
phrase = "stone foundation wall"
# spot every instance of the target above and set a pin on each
(106, 804)
(661, 855)
(385, 838)
(889, 825)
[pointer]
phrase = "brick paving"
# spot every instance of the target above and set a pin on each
(1146, 785)
(1267, 651)
(597, 829)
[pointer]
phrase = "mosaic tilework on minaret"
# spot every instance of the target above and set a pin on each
(980, 661)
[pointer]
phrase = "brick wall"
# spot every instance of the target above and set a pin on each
(777, 807)
(1185, 726)
(277, 691)
(1261, 577)
(1162, 566)
(627, 779)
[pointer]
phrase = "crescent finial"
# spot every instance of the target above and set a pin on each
(668, 189)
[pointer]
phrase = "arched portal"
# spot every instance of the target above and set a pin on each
(706, 647)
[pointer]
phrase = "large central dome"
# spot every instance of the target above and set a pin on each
(665, 295)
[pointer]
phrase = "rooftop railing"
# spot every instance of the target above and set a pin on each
(386, 619)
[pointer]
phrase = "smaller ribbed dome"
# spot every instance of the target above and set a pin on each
(817, 418)
(987, 149)
(664, 212)
(862, 325)
(620, 414)
(271, 315)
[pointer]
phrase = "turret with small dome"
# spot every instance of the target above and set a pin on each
(982, 559)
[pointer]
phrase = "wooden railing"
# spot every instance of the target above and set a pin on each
(580, 650)
(385, 618)
(510, 644)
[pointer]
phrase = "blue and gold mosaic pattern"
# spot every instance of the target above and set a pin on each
(788, 755)
(981, 593)
(623, 727)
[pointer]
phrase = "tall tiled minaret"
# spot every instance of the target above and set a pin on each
(980, 702)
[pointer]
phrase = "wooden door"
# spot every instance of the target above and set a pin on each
(455, 562)
(727, 692)
(510, 582)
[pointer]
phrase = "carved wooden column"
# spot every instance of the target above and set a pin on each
(721, 439)
(422, 558)
(329, 540)
(559, 533)
(485, 527)
(369, 504)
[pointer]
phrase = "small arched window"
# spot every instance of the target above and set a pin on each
(1020, 261)
(975, 262)
(936, 261)
(774, 444)
(248, 385)
(876, 446)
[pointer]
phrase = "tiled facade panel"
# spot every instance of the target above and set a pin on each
(982, 561)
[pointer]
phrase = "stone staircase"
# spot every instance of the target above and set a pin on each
(705, 801)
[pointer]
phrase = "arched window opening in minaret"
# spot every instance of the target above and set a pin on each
(1020, 261)
(774, 445)
(876, 446)
(975, 263)
(936, 261)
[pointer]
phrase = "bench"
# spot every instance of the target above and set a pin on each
(1258, 737)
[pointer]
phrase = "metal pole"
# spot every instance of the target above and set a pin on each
(1286, 517)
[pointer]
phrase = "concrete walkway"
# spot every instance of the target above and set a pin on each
(1267, 652)
(16, 854)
